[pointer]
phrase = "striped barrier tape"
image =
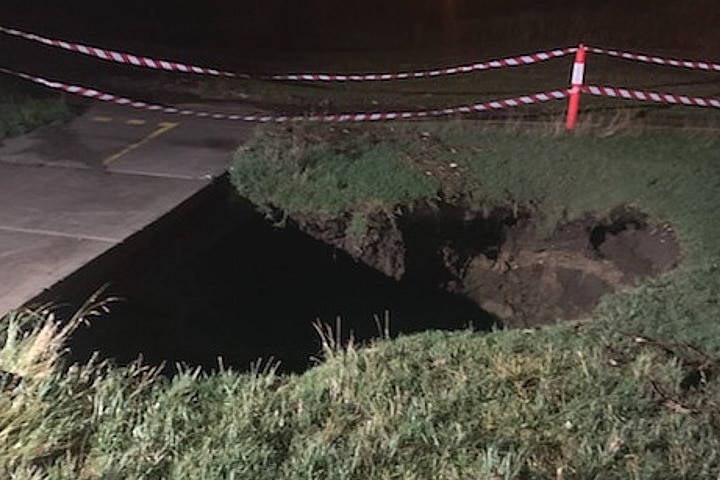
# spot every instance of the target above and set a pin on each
(656, 97)
(654, 59)
(118, 57)
(521, 60)
(147, 62)
(328, 118)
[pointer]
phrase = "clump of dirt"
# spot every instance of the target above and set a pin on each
(377, 242)
(536, 280)
(503, 262)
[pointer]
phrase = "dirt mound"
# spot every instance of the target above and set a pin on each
(502, 261)
(535, 280)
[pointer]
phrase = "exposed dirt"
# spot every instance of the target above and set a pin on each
(538, 280)
(380, 244)
(502, 261)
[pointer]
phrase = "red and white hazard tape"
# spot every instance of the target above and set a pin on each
(139, 61)
(118, 57)
(656, 97)
(672, 62)
(518, 61)
(329, 118)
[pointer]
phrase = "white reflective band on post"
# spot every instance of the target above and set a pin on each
(578, 74)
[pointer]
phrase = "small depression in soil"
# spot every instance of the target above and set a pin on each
(503, 263)
(215, 279)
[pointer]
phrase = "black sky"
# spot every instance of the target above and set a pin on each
(339, 24)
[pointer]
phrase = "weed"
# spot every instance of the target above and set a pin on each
(21, 112)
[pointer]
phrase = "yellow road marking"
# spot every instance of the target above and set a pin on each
(164, 128)
(106, 119)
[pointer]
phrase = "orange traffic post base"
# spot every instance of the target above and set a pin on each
(576, 82)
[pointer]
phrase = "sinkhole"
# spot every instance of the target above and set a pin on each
(215, 279)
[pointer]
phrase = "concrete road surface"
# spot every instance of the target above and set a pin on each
(70, 192)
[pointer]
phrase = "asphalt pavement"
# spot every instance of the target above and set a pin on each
(70, 192)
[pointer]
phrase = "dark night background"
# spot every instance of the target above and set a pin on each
(235, 26)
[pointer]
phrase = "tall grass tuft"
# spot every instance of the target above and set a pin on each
(20, 114)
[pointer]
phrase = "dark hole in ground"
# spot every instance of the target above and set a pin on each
(440, 239)
(541, 278)
(214, 279)
(527, 276)
(621, 220)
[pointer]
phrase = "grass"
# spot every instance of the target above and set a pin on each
(23, 108)
(511, 405)
(363, 171)
(632, 394)
(670, 175)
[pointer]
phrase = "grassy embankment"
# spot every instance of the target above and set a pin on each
(672, 176)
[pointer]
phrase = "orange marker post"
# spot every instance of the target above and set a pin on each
(578, 77)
